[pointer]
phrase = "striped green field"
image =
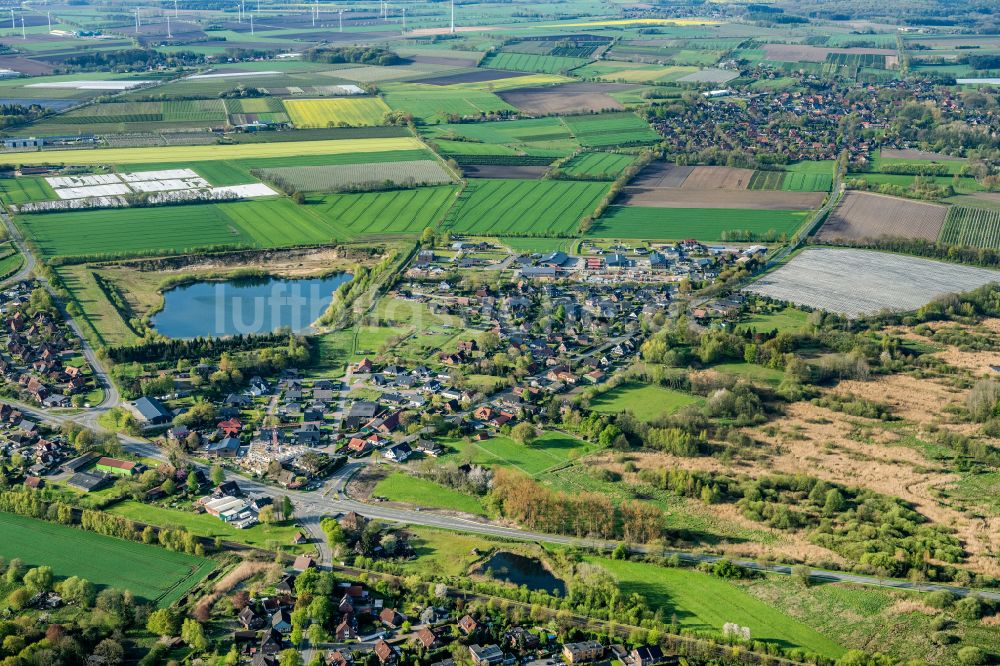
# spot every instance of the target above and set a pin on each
(611, 129)
(600, 166)
(526, 62)
(973, 227)
(705, 224)
(791, 181)
(24, 190)
(807, 182)
(524, 207)
(149, 572)
(398, 212)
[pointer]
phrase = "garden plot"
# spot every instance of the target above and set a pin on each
(858, 283)
(865, 215)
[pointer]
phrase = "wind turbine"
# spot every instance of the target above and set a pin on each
(48, 16)
(13, 26)
(24, 35)
(137, 24)
(251, 25)
(453, 17)
(342, 20)
(404, 20)
(176, 13)
(169, 36)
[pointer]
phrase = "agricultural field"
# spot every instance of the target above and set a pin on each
(790, 181)
(399, 212)
(152, 573)
(402, 487)
(973, 227)
(599, 166)
(336, 112)
(630, 72)
(524, 207)
(524, 62)
(568, 98)
(646, 401)
(133, 116)
(337, 177)
(242, 151)
(706, 224)
(541, 136)
(611, 129)
(10, 259)
(865, 215)
(25, 190)
(160, 230)
(857, 283)
(432, 104)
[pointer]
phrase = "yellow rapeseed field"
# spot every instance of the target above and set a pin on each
(336, 111)
(184, 154)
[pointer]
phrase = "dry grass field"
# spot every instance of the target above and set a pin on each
(865, 215)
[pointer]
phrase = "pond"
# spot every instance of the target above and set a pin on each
(521, 570)
(245, 306)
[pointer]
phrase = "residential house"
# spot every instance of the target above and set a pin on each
(428, 639)
(308, 434)
(486, 655)
(576, 653)
(391, 618)
(303, 562)
(397, 453)
(360, 413)
(468, 625)
(386, 653)
(281, 621)
(228, 447)
(649, 655)
(250, 620)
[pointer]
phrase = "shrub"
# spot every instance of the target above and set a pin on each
(972, 655)
(941, 599)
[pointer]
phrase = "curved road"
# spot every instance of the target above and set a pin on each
(332, 500)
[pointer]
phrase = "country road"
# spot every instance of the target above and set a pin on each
(331, 499)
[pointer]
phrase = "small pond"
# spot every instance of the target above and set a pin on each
(245, 306)
(521, 570)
